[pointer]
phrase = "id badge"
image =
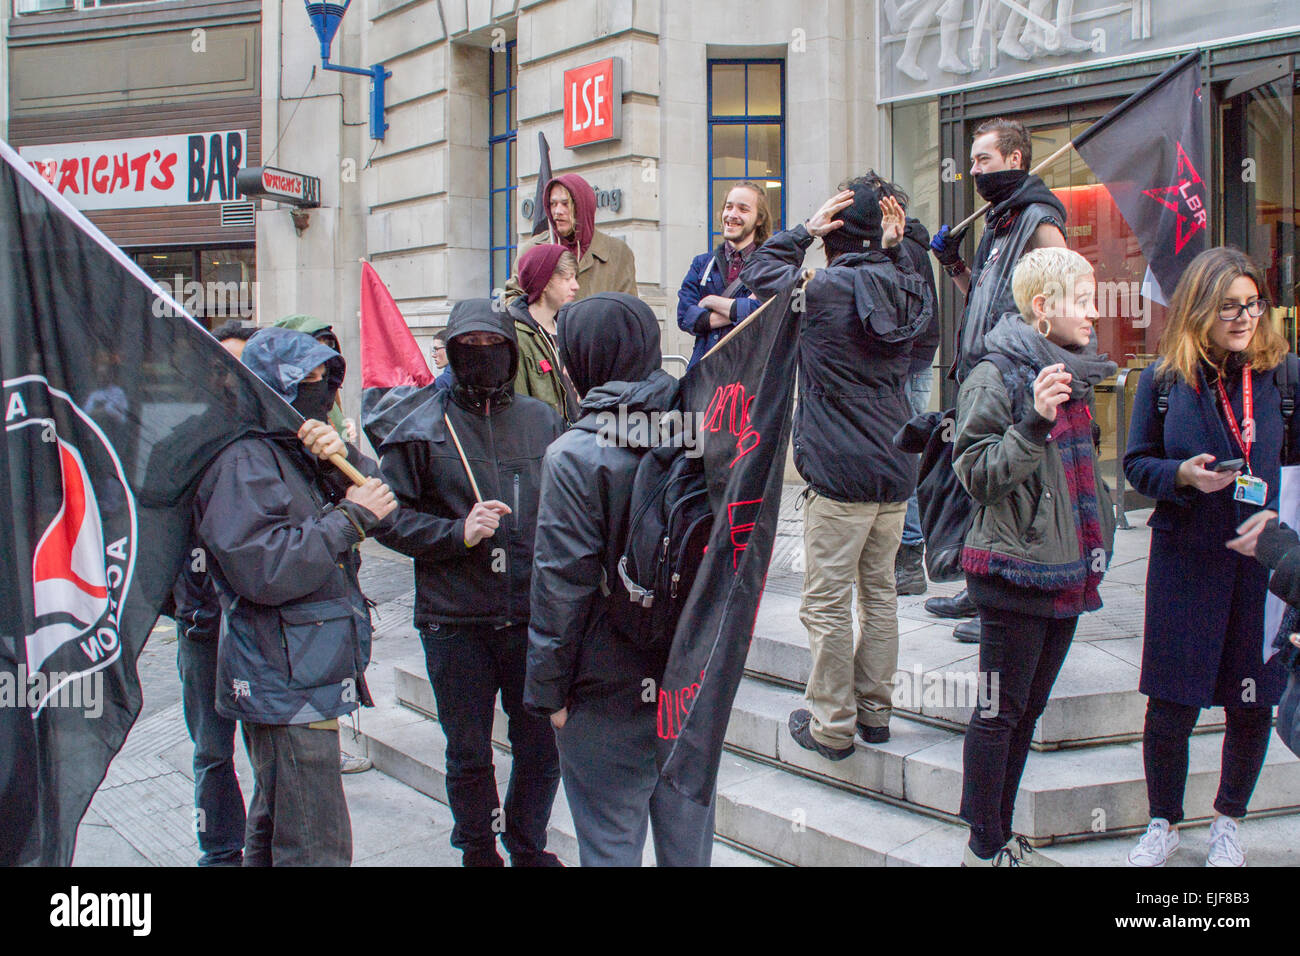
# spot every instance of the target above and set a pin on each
(1251, 490)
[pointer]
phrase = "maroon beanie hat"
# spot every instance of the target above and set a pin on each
(536, 266)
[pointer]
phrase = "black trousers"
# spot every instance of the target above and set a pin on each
(1165, 738)
(1024, 654)
(299, 816)
(467, 667)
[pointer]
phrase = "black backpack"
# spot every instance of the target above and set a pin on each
(668, 531)
(1286, 377)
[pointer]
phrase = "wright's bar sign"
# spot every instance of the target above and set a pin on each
(279, 185)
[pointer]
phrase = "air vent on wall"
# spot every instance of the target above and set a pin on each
(235, 214)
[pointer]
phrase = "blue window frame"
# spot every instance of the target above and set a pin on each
(502, 156)
(746, 133)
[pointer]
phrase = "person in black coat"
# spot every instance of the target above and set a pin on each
(1204, 603)
(596, 685)
(281, 528)
(862, 314)
(473, 567)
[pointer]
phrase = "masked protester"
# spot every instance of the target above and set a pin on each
(281, 528)
(583, 673)
(1023, 214)
(473, 568)
(323, 332)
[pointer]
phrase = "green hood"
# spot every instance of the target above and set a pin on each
(304, 323)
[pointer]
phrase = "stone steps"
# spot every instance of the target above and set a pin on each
(1095, 698)
(1078, 793)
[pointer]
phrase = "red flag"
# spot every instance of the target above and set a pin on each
(389, 354)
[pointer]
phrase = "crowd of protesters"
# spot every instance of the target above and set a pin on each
(500, 489)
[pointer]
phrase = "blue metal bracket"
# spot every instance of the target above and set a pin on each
(325, 18)
(377, 75)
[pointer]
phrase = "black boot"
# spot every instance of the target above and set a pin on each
(909, 573)
(967, 632)
(959, 605)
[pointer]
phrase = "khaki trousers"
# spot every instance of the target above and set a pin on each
(848, 543)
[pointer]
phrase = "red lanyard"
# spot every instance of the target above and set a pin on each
(1248, 412)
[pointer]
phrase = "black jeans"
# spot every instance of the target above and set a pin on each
(299, 816)
(467, 666)
(217, 797)
(1024, 653)
(1165, 736)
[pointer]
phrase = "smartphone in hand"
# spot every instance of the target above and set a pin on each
(1232, 464)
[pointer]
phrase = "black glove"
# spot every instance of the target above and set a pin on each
(946, 248)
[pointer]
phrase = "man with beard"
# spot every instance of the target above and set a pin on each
(712, 300)
(1023, 214)
(605, 264)
(473, 566)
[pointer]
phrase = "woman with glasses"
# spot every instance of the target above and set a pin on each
(1206, 443)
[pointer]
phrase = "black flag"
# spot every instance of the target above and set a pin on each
(1150, 153)
(540, 221)
(745, 390)
(114, 401)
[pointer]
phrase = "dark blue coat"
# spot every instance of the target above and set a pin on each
(1204, 629)
(708, 276)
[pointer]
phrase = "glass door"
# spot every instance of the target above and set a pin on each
(1258, 141)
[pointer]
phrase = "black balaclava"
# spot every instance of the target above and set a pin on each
(314, 400)
(608, 337)
(999, 186)
(482, 371)
(483, 367)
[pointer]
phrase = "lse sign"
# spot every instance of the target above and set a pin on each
(593, 103)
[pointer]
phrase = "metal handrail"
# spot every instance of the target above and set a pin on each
(1121, 444)
(678, 358)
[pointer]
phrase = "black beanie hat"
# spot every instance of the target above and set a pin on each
(862, 221)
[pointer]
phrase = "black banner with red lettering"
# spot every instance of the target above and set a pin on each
(114, 402)
(744, 391)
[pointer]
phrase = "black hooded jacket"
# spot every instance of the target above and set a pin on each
(609, 343)
(504, 436)
(862, 315)
(916, 250)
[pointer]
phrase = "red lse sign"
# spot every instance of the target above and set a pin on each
(593, 103)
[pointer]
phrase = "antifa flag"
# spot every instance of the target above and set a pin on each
(114, 402)
(1150, 153)
(745, 389)
(395, 379)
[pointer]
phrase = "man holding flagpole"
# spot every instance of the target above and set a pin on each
(466, 467)
(1022, 214)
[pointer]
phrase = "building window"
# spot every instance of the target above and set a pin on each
(214, 284)
(502, 156)
(746, 133)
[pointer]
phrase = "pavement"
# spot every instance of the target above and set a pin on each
(142, 814)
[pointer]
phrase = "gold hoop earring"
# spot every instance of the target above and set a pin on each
(1039, 326)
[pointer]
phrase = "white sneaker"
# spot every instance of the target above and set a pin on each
(1156, 844)
(1225, 848)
